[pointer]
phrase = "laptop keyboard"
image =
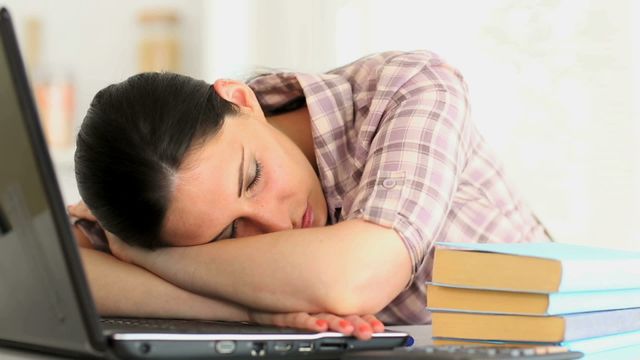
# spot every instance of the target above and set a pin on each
(188, 326)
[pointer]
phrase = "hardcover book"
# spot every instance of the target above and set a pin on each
(535, 267)
(446, 298)
(588, 346)
(553, 329)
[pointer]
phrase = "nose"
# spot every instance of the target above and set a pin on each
(264, 220)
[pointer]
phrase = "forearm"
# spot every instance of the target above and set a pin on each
(121, 289)
(345, 268)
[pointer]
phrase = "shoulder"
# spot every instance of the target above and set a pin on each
(391, 72)
(417, 58)
(397, 62)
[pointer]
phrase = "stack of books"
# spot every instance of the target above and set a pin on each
(584, 298)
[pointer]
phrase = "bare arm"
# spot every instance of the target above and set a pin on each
(353, 267)
(122, 289)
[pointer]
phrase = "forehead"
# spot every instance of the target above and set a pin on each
(203, 185)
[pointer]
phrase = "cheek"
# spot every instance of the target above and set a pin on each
(287, 171)
(189, 226)
(280, 181)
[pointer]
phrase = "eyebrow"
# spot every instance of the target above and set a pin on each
(241, 174)
(240, 186)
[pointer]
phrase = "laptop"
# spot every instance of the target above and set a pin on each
(45, 303)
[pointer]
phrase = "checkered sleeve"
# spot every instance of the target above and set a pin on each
(416, 151)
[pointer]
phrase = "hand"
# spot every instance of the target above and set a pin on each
(117, 247)
(360, 326)
(81, 211)
(123, 251)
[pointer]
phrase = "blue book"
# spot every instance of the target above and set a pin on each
(543, 267)
(624, 353)
(559, 328)
(609, 344)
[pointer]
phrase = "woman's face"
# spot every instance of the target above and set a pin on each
(246, 180)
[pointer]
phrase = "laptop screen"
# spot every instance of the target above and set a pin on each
(18, 175)
(38, 304)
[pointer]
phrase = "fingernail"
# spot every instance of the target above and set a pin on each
(364, 328)
(322, 323)
(343, 323)
(377, 323)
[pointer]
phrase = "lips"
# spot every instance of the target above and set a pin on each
(307, 218)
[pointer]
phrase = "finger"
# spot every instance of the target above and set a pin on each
(304, 320)
(271, 319)
(298, 320)
(337, 323)
(71, 210)
(362, 329)
(376, 324)
(80, 210)
(88, 214)
(120, 249)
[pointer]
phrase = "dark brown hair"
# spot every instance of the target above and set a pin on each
(131, 143)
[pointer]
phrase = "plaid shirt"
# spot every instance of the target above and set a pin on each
(395, 146)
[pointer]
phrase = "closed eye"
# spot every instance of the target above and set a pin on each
(257, 175)
(231, 231)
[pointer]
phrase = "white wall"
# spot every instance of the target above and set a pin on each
(96, 41)
(554, 84)
(244, 36)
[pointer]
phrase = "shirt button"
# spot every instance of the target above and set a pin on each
(388, 184)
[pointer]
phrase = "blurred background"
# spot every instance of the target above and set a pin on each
(554, 84)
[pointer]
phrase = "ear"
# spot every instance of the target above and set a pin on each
(238, 93)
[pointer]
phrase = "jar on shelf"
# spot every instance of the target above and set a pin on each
(54, 90)
(159, 47)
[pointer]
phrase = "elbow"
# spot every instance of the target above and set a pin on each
(356, 298)
(369, 281)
